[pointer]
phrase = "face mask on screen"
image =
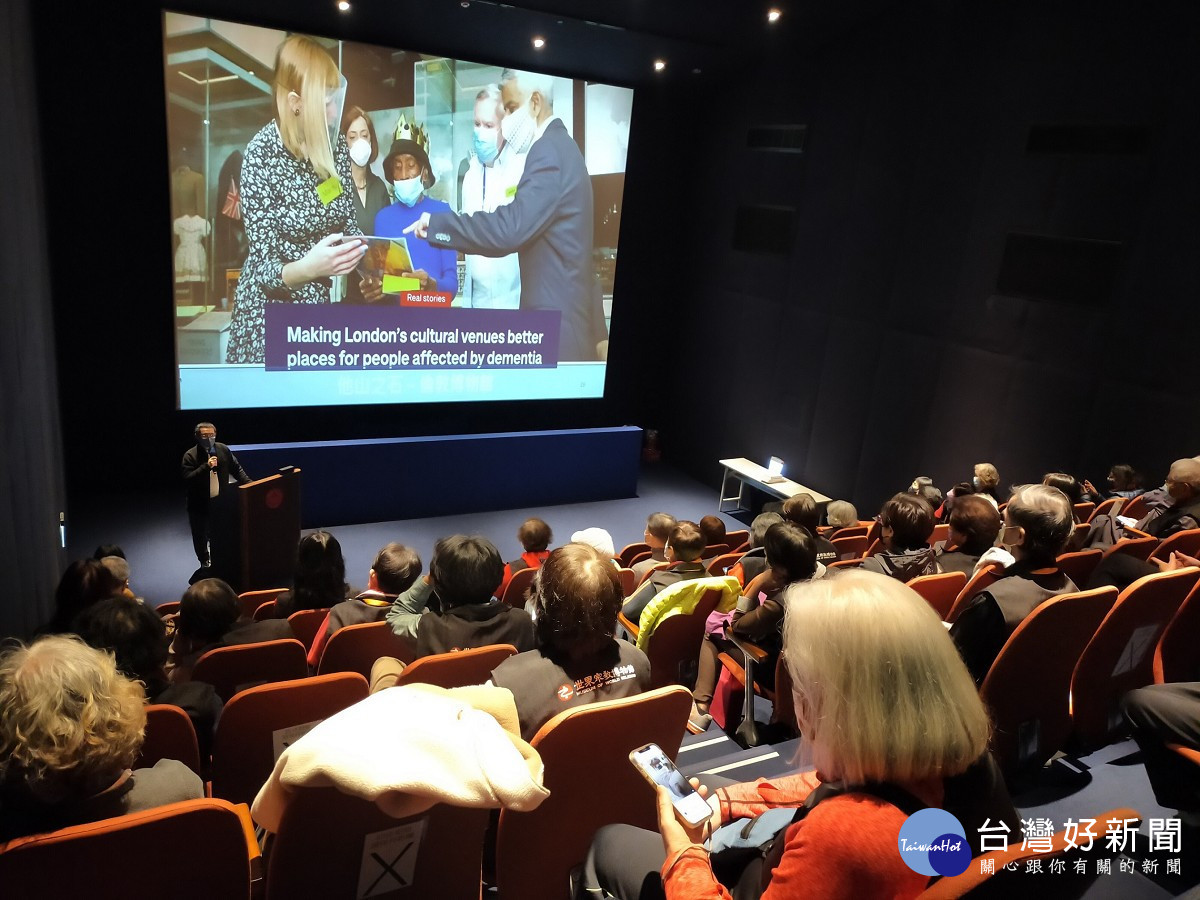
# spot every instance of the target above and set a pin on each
(408, 190)
(487, 144)
(360, 152)
(518, 128)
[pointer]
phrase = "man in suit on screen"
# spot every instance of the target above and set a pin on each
(548, 223)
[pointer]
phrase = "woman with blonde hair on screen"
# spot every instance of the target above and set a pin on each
(296, 197)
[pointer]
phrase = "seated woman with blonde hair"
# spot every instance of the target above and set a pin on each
(893, 723)
(72, 726)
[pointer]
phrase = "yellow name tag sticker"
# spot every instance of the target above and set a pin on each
(329, 190)
(511, 192)
(398, 284)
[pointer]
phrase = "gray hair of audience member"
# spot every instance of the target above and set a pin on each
(841, 514)
(118, 567)
(758, 528)
(492, 92)
(1046, 516)
(530, 82)
(659, 525)
(1186, 471)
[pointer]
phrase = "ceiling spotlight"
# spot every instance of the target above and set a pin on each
(773, 14)
(539, 43)
(659, 65)
(344, 5)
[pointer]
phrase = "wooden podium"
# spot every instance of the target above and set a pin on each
(254, 531)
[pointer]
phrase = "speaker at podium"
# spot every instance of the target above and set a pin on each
(254, 530)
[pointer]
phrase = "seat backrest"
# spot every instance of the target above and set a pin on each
(853, 530)
(1187, 541)
(266, 610)
(723, 563)
(712, 551)
(629, 551)
(142, 856)
(628, 581)
(874, 548)
(1027, 689)
(735, 539)
(1080, 564)
(1137, 547)
(980, 581)
(940, 591)
(560, 830)
(170, 734)
(851, 546)
(845, 563)
(1120, 656)
(514, 593)
(941, 532)
(676, 640)
(1003, 873)
(356, 647)
(260, 722)
(1177, 656)
(334, 845)
(1136, 508)
(458, 668)
(306, 623)
(166, 609)
(250, 601)
(1084, 510)
(229, 669)
(1108, 506)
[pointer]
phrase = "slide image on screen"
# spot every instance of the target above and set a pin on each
(489, 200)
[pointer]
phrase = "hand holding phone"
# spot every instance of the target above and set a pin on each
(658, 769)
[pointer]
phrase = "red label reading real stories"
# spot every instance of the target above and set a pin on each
(426, 299)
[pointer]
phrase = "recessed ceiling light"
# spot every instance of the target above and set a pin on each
(659, 65)
(539, 43)
(773, 14)
(344, 5)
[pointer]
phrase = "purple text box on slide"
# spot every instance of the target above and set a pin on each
(304, 337)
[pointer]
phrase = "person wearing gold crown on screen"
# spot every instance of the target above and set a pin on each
(406, 168)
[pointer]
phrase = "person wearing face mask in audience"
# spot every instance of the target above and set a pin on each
(407, 170)
(207, 468)
(370, 193)
(548, 223)
(493, 172)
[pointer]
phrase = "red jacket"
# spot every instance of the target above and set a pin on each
(531, 560)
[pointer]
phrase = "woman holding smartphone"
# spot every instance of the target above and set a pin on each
(893, 723)
(296, 200)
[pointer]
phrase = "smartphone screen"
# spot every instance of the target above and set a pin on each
(658, 769)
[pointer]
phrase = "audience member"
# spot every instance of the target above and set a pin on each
(119, 569)
(658, 531)
(974, 524)
(683, 550)
(137, 638)
(535, 537)
(576, 598)
(791, 556)
(803, 510)
(85, 581)
(392, 573)
(1123, 481)
(924, 487)
(72, 727)
(906, 522)
(108, 550)
(1068, 484)
(208, 617)
(987, 482)
(754, 561)
(893, 724)
(320, 579)
(1037, 524)
(840, 514)
(598, 538)
(713, 529)
(454, 607)
(1163, 714)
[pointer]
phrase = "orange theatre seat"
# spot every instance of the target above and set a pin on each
(735, 540)
(170, 734)
(1080, 564)
(250, 601)
(230, 669)
(356, 647)
(851, 546)
(1136, 508)
(1177, 656)
(980, 581)
(675, 629)
(1120, 656)
(535, 851)
(193, 850)
(1140, 546)
(1187, 542)
(940, 591)
(1110, 507)
(259, 723)
(941, 532)
(514, 594)
(458, 668)
(305, 625)
(628, 581)
(334, 846)
(1027, 689)
(1083, 511)
(630, 551)
(722, 564)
